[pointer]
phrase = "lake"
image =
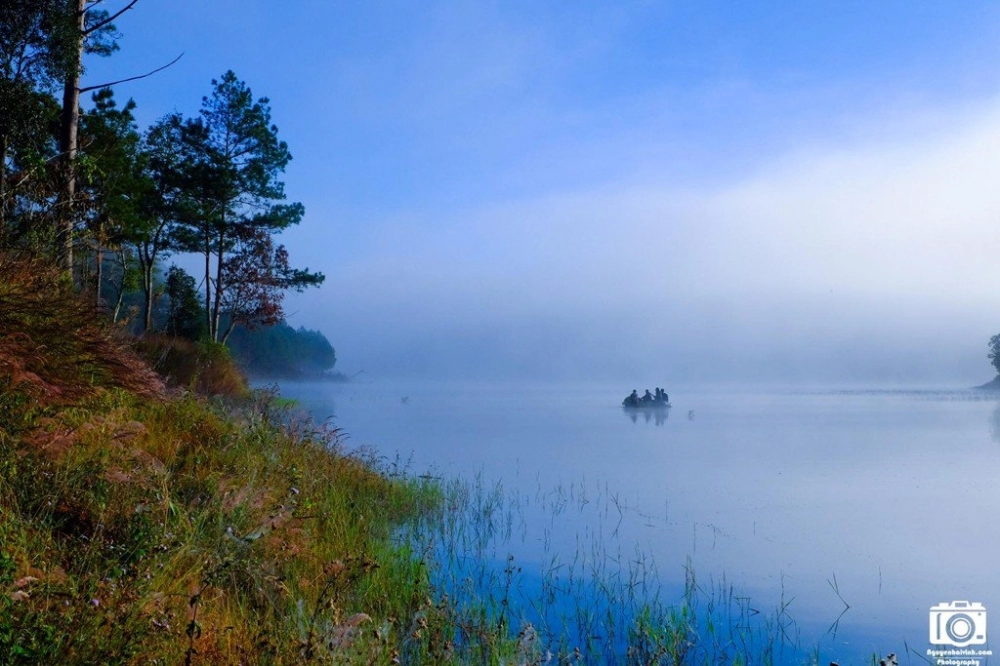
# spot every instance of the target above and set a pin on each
(853, 511)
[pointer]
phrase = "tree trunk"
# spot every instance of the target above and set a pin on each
(146, 268)
(100, 274)
(147, 292)
(229, 330)
(67, 147)
(217, 306)
(3, 185)
(147, 304)
(208, 285)
(99, 259)
(121, 284)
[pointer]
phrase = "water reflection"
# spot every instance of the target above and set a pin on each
(995, 424)
(657, 415)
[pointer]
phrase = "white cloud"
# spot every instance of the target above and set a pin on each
(889, 246)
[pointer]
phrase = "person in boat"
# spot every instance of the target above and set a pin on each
(647, 397)
(632, 400)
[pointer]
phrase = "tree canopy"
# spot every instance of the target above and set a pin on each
(231, 161)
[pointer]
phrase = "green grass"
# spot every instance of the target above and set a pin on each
(179, 531)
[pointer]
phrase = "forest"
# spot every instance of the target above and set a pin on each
(109, 202)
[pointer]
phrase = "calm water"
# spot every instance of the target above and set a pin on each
(888, 500)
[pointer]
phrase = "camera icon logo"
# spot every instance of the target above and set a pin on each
(959, 623)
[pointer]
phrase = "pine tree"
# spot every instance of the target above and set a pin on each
(232, 163)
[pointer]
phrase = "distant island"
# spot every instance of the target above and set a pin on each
(994, 356)
(283, 352)
(992, 385)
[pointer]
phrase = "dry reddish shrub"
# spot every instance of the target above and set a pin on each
(54, 346)
(203, 367)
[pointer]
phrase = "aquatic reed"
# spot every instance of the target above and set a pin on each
(497, 567)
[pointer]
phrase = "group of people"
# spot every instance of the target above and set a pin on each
(647, 398)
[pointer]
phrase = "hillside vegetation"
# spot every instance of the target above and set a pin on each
(143, 523)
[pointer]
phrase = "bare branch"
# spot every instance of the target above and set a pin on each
(98, 26)
(132, 78)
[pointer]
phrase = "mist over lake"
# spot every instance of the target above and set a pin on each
(524, 211)
(860, 509)
(458, 234)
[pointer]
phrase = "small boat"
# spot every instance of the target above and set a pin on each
(648, 401)
(652, 404)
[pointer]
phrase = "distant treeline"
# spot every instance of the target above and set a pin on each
(281, 351)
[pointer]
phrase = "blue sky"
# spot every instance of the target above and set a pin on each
(703, 190)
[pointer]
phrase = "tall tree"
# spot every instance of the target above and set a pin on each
(113, 177)
(233, 160)
(36, 49)
(166, 199)
(92, 32)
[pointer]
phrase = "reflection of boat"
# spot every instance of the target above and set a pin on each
(651, 404)
(657, 411)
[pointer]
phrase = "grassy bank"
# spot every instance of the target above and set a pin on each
(146, 524)
(176, 531)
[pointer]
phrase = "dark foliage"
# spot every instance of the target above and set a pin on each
(185, 316)
(282, 351)
(994, 353)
